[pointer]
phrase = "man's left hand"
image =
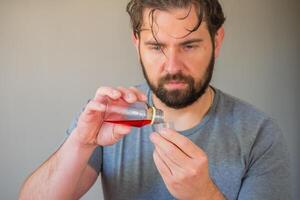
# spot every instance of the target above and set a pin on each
(183, 166)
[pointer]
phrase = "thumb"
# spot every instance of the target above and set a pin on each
(119, 131)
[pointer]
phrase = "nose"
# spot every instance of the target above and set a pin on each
(173, 62)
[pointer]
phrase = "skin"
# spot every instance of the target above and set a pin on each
(182, 165)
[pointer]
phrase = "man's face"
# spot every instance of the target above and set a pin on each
(177, 65)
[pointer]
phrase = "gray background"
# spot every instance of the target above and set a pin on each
(55, 54)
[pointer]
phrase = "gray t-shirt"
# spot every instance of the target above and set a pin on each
(248, 157)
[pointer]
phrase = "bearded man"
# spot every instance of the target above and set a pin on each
(219, 148)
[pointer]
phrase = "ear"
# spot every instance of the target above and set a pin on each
(135, 40)
(219, 40)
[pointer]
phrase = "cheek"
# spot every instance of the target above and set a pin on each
(152, 59)
(153, 64)
(198, 62)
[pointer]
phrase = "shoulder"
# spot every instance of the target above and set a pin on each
(236, 110)
(257, 134)
(246, 121)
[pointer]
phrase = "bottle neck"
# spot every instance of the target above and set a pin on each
(156, 115)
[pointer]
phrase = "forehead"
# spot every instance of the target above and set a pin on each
(174, 23)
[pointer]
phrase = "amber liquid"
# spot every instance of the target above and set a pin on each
(135, 123)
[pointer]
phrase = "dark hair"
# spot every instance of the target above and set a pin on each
(210, 10)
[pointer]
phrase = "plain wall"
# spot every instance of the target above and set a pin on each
(55, 54)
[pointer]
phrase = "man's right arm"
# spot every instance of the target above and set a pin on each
(65, 175)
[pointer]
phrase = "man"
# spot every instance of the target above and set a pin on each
(222, 148)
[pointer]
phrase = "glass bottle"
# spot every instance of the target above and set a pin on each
(136, 114)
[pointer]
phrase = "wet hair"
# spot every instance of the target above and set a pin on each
(207, 10)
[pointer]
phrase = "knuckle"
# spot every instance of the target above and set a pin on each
(180, 177)
(175, 183)
(185, 142)
(108, 91)
(193, 173)
(170, 151)
(101, 90)
(204, 159)
(200, 162)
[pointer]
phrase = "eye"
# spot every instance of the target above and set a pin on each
(155, 47)
(190, 46)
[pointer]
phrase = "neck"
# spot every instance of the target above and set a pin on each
(187, 117)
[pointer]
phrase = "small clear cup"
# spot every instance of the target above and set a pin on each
(160, 126)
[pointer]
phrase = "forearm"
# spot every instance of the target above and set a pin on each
(58, 177)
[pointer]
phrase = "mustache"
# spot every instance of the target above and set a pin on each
(175, 77)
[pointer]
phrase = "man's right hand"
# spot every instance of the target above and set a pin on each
(66, 174)
(91, 129)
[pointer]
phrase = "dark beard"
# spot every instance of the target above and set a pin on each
(181, 98)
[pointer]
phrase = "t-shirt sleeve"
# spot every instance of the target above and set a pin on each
(95, 160)
(268, 175)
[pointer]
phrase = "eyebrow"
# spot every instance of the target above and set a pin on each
(190, 41)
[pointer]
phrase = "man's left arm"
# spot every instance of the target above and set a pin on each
(183, 167)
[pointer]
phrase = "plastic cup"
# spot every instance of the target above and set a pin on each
(160, 126)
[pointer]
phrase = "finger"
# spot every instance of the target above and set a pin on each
(175, 168)
(119, 131)
(169, 151)
(95, 105)
(161, 166)
(183, 143)
(128, 95)
(107, 91)
(93, 111)
(141, 96)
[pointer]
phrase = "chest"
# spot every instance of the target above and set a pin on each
(129, 165)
